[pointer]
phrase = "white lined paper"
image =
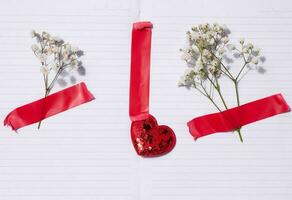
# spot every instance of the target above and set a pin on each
(218, 167)
(86, 153)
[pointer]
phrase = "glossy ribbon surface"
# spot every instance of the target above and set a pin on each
(49, 106)
(140, 71)
(148, 137)
(237, 117)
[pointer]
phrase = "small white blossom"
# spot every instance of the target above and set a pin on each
(33, 33)
(241, 41)
(249, 46)
(45, 35)
(186, 56)
(245, 50)
(181, 81)
(212, 41)
(225, 40)
(194, 35)
(56, 67)
(221, 50)
(255, 60)
(74, 63)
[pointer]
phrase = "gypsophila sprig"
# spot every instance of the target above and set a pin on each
(205, 54)
(55, 56)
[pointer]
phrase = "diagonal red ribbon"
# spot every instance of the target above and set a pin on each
(49, 106)
(237, 117)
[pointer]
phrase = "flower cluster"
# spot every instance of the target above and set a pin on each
(54, 53)
(55, 56)
(207, 46)
(207, 56)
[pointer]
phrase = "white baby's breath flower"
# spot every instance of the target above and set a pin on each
(45, 35)
(74, 63)
(249, 46)
(241, 41)
(187, 79)
(212, 41)
(33, 33)
(255, 60)
(194, 35)
(221, 50)
(73, 57)
(56, 67)
(225, 40)
(67, 46)
(181, 81)
(245, 50)
(186, 56)
(230, 47)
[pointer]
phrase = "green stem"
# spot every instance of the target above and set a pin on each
(237, 93)
(237, 77)
(46, 94)
(239, 134)
(210, 98)
(49, 87)
(238, 104)
(220, 94)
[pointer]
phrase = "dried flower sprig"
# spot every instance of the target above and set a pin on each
(207, 54)
(55, 56)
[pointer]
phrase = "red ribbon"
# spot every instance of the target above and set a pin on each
(148, 137)
(140, 71)
(237, 117)
(48, 106)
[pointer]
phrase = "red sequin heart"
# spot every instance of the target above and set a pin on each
(150, 139)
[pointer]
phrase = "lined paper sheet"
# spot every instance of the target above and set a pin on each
(218, 166)
(86, 153)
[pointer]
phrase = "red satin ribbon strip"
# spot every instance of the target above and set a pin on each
(49, 106)
(237, 117)
(140, 71)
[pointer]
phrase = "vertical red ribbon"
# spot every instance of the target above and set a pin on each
(148, 137)
(140, 71)
(49, 106)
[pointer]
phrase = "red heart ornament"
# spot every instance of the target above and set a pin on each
(150, 139)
